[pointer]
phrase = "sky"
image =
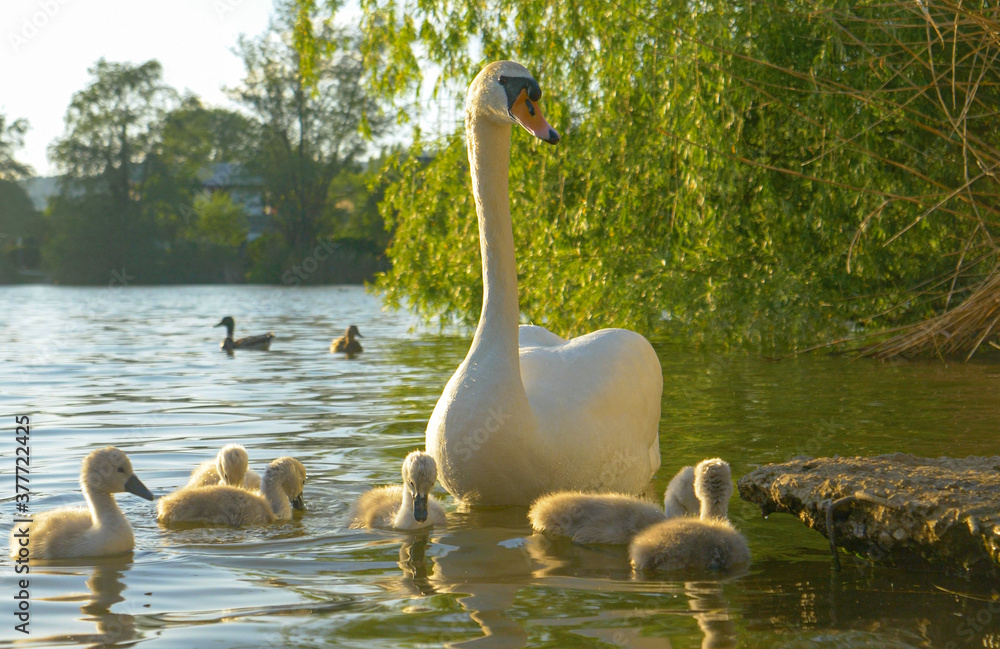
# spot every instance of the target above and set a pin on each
(46, 47)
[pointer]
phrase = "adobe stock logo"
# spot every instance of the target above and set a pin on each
(495, 418)
(34, 23)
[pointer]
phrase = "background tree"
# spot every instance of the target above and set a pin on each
(196, 142)
(11, 139)
(20, 223)
(310, 128)
(101, 220)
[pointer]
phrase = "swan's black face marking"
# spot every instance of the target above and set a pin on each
(522, 93)
(513, 87)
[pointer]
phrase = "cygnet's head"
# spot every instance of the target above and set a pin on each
(108, 470)
(231, 464)
(419, 475)
(713, 484)
(505, 92)
(290, 476)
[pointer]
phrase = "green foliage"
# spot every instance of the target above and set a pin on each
(220, 221)
(309, 121)
(728, 171)
(102, 222)
(20, 231)
(11, 139)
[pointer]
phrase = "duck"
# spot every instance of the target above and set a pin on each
(281, 492)
(409, 506)
(528, 412)
(593, 518)
(347, 343)
(709, 542)
(679, 499)
(230, 467)
(261, 342)
(97, 530)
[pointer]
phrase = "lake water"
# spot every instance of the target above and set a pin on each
(140, 368)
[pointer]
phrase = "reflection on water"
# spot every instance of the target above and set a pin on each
(107, 584)
(141, 369)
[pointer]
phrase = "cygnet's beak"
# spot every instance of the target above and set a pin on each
(134, 486)
(420, 507)
(298, 503)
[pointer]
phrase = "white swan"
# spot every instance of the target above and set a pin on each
(96, 530)
(281, 486)
(528, 412)
(685, 543)
(403, 507)
(230, 467)
(679, 498)
(593, 518)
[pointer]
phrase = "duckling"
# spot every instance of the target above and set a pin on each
(230, 467)
(347, 342)
(281, 490)
(593, 518)
(261, 342)
(97, 530)
(685, 543)
(680, 499)
(403, 507)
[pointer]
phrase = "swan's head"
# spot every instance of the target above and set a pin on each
(419, 475)
(713, 484)
(291, 478)
(108, 470)
(352, 332)
(505, 92)
(231, 464)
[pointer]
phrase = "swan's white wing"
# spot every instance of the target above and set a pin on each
(595, 397)
(535, 336)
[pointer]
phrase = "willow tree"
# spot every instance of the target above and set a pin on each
(771, 173)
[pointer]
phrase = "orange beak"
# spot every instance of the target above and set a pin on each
(528, 114)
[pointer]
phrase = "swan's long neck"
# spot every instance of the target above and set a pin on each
(489, 159)
(103, 508)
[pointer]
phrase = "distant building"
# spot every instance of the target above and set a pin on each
(243, 189)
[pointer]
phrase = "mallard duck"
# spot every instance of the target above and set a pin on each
(403, 507)
(230, 467)
(347, 343)
(281, 491)
(686, 543)
(97, 530)
(261, 342)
